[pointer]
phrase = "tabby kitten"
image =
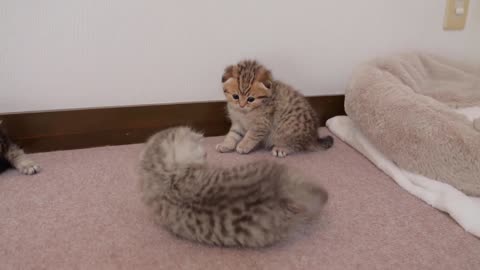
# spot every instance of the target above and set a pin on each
(250, 205)
(267, 111)
(12, 155)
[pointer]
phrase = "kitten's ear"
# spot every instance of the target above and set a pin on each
(268, 84)
(230, 72)
(265, 77)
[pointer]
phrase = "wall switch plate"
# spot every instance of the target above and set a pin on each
(455, 14)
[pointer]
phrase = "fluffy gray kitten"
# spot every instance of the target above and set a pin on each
(250, 205)
(13, 156)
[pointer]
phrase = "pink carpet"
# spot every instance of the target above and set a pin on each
(83, 211)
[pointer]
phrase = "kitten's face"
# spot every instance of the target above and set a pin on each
(183, 145)
(245, 99)
(247, 85)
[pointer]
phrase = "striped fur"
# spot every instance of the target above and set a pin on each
(249, 205)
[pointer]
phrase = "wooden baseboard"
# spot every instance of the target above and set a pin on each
(72, 129)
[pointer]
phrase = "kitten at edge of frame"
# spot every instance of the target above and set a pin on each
(13, 156)
(249, 205)
(267, 112)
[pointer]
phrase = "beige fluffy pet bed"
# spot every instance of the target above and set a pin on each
(409, 106)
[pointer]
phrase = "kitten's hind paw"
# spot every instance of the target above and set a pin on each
(28, 167)
(223, 148)
(280, 152)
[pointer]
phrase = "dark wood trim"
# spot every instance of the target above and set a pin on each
(71, 129)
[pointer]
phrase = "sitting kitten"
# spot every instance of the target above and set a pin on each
(251, 205)
(12, 155)
(266, 111)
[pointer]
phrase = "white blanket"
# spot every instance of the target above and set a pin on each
(462, 208)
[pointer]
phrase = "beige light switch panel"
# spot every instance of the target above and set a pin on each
(455, 14)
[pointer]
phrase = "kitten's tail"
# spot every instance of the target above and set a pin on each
(325, 142)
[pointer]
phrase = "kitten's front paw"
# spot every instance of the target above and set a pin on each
(28, 167)
(224, 148)
(243, 149)
(280, 152)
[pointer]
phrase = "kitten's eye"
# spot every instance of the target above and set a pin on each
(250, 99)
(235, 96)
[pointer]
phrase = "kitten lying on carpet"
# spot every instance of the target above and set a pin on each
(250, 205)
(263, 110)
(13, 156)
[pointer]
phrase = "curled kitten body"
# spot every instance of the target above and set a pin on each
(13, 156)
(251, 205)
(269, 112)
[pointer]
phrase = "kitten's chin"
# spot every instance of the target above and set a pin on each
(249, 109)
(243, 110)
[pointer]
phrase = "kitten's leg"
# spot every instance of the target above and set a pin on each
(251, 139)
(20, 161)
(235, 134)
(282, 142)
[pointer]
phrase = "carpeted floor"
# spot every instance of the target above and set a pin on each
(83, 211)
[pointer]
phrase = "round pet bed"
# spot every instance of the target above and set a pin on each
(407, 106)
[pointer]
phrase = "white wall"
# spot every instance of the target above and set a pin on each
(57, 54)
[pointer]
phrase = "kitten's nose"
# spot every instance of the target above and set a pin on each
(242, 104)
